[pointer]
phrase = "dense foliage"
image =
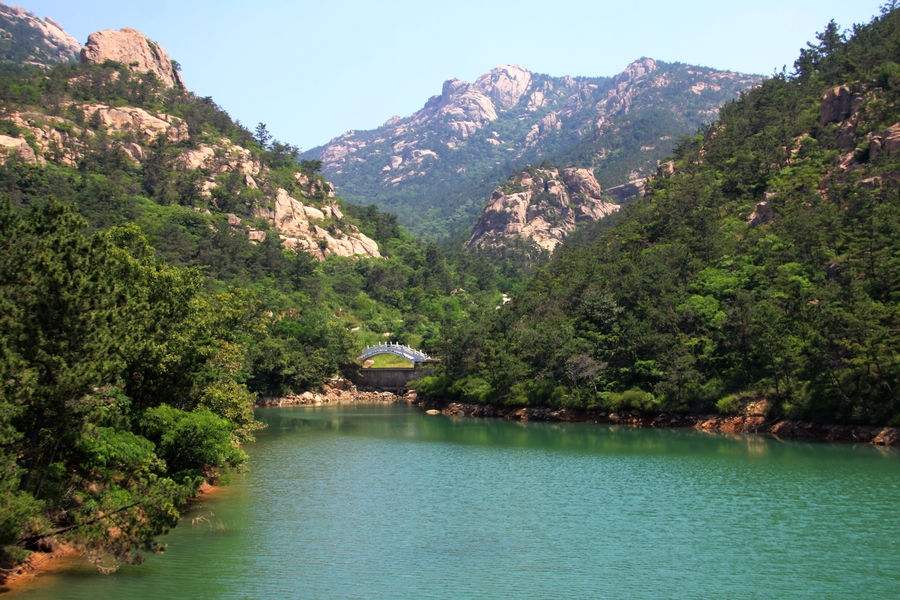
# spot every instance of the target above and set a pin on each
(121, 384)
(689, 304)
(137, 321)
(316, 305)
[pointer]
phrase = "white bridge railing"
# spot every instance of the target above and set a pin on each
(410, 354)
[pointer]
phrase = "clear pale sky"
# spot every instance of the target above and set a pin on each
(312, 70)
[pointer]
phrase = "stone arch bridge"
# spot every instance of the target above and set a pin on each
(394, 379)
(411, 354)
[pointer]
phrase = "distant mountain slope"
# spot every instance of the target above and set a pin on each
(435, 168)
(26, 39)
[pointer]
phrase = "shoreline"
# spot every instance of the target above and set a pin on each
(61, 554)
(37, 563)
(338, 391)
(754, 421)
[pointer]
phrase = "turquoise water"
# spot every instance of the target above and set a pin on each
(386, 502)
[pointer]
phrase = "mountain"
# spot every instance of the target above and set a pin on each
(435, 168)
(119, 139)
(758, 276)
(26, 39)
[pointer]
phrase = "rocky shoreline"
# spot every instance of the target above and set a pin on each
(52, 556)
(338, 391)
(753, 420)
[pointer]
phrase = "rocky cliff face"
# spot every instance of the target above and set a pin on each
(303, 211)
(133, 48)
(464, 141)
(540, 205)
(27, 39)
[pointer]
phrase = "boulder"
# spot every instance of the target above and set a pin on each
(889, 436)
(835, 105)
(13, 146)
(763, 212)
(132, 48)
(581, 181)
(890, 140)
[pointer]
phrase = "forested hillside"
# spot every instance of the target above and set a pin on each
(765, 267)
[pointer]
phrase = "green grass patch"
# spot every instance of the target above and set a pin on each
(381, 361)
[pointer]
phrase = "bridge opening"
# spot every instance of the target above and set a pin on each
(391, 367)
(387, 361)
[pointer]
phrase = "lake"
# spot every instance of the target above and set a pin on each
(387, 502)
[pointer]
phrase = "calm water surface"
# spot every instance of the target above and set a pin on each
(386, 502)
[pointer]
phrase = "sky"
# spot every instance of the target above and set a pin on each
(312, 70)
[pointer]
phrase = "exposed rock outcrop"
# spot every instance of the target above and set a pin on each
(133, 48)
(838, 104)
(62, 140)
(17, 147)
(130, 119)
(541, 205)
(40, 41)
(627, 191)
(297, 224)
(460, 110)
(338, 391)
(504, 85)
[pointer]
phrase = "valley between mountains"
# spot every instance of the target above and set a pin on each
(668, 245)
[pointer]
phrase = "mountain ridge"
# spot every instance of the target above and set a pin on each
(441, 162)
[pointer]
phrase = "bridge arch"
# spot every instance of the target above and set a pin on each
(411, 354)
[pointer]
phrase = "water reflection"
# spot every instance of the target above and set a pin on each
(392, 422)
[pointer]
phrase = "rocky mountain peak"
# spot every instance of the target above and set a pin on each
(639, 68)
(49, 43)
(460, 111)
(133, 48)
(504, 84)
(454, 87)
